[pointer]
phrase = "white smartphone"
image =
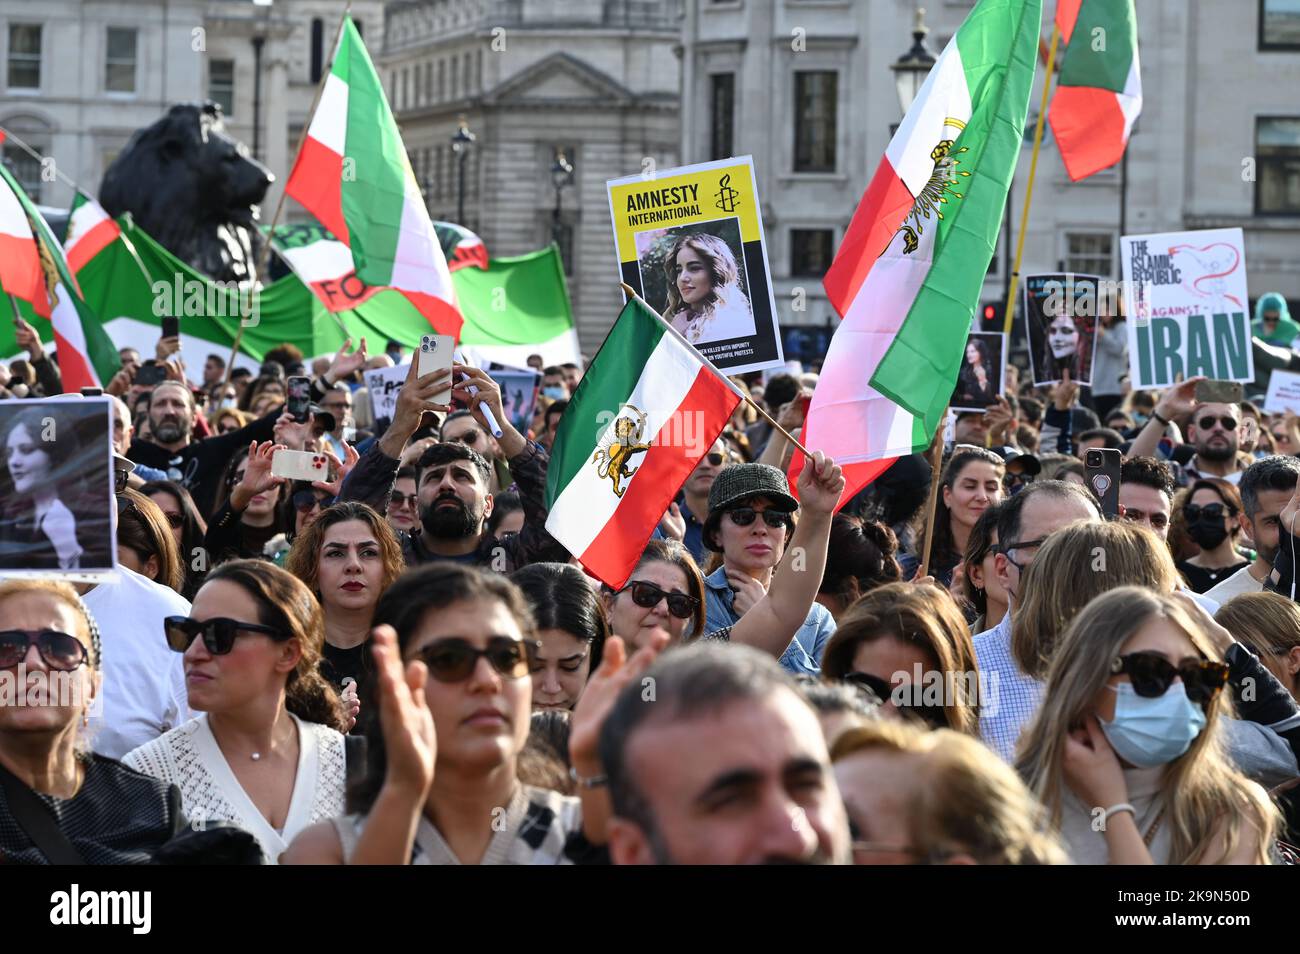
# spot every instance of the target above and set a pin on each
(435, 354)
(300, 465)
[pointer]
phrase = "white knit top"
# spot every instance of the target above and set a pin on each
(190, 757)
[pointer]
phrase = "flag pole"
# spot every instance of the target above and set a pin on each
(631, 293)
(1029, 187)
(279, 205)
(936, 458)
(10, 137)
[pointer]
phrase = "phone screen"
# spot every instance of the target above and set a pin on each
(299, 401)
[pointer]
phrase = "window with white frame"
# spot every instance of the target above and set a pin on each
(119, 60)
(1090, 253)
(24, 56)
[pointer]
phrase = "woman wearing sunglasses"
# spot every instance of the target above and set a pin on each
(571, 629)
(1210, 518)
(266, 751)
(102, 813)
(1127, 752)
(665, 591)
(465, 638)
(187, 527)
(144, 540)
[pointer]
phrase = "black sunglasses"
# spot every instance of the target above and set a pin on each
(304, 501)
(744, 516)
(400, 499)
(880, 688)
(469, 438)
(1193, 512)
(714, 458)
(453, 660)
(1152, 675)
(1207, 422)
(218, 633)
(647, 596)
(59, 650)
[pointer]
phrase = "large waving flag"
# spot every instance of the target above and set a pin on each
(34, 272)
(1100, 94)
(354, 176)
(89, 231)
(908, 274)
(645, 413)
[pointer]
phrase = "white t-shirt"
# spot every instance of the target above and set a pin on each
(1240, 582)
(144, 679)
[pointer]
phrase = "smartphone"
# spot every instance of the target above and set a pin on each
(171, 326)
(435, 354)
(300, 465)
(91, 392)
(1219, 392)
(1101, 474)
(299, 403)
(150, 375)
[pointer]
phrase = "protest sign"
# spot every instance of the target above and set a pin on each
(382, 385)
(1185, 297)
(518, 394)
(57, 506)
(983, 372)
(1060, 310)
(1283, 393)
(690, 241)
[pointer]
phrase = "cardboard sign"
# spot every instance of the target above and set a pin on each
(1061, 310)
(983, 374)
(1185, 296)
(1283, 393)
(383, 384)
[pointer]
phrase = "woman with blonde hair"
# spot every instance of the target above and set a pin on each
(911, 646)
(1269, 625)
(1127, 751)
(936, 797)
(705, 300)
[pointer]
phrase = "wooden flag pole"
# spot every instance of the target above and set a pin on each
(936, 458)
(1029, 187)
(631, 293)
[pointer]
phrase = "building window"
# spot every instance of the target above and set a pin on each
(811, 251)
(24, 56)
(478, 70)
(442, 80)
(722, 108)
(119, 64)
(1277, 157)
(1089, 253)
(815, 105)
(25, 168)
(455, 78)
(406, 89)
(1279, 25)
(317, 48)
(428, 82)
(467, 65)
(221, 85)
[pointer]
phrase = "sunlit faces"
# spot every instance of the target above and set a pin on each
(1062, 336)
(1042, 515)
(40, 611)
(635, 623)
(402, 513)
(482, 721)
(350, 572)
(1264, 527)
(1218, 441)
(702, 477)
(28, 460)
(256, 666)
(560, 669)
(755, 548)
(694, 283)
(453, 499)
(465, 430)
(1145, 506)
(894, 660)
(977, 487)
(170, 413)
(1157, 635)
(878, 788)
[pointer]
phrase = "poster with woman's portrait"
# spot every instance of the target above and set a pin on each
(1060, 312)
(57, 506)
(690, 241)
(983, 371)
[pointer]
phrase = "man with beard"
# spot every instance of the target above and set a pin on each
(452, 480)
(724, 763)
(197, 465)
(1214, 430)
(1266, 486)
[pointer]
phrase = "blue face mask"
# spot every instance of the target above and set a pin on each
(1151, 732)
(555, 393)
(1140, 419)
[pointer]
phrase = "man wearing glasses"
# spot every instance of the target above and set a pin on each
(1026, 521)
(1214, 430)
(461, 428)
(338, 401)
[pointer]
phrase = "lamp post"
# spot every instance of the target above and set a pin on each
(911, 69)
(460, 145)
(562, 178)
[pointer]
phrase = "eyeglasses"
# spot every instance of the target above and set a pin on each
(1206, 423)
(1152, 674)
(1193, 513)
(218, 633)
(1021, 545)
(469, 438)
(880, 688)
(715, 459)
(1158, 520)
(305, 501)
(647, 596)
(404, 500)
(58, 650)
(744, 516)
(453, 660)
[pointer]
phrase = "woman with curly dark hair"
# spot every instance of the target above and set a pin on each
(858, 559)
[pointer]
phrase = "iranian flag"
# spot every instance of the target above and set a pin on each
(654, 408)
(33, 271)
(354, 176)
(89, 231)
(1100, 94)
(909, 271)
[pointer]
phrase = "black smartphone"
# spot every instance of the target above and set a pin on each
(171, 326)
(150, 374)
(299, 401)
(1101, 474)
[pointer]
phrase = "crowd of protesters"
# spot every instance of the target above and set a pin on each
(398, 663)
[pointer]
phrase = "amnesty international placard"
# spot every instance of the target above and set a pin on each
(1185, 295)
(690, 241)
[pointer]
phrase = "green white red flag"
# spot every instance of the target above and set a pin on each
(353, 174)
(89, 231)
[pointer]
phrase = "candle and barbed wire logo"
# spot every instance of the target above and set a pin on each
(727, 196)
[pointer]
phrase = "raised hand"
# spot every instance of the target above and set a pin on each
(1092, 768)
(345, 362)
(257, 476)
(673, 525)
(166, 347)
(410, 742)
(28, 339)
(748, 591)
(293, 434)
(1065, 391)
(350, 702)
(821, 483)
(1179, 400)
(335, 487)
(616, 672)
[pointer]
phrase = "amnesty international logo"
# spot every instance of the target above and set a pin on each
(621, 442)
(727, 195)
(937, 192)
